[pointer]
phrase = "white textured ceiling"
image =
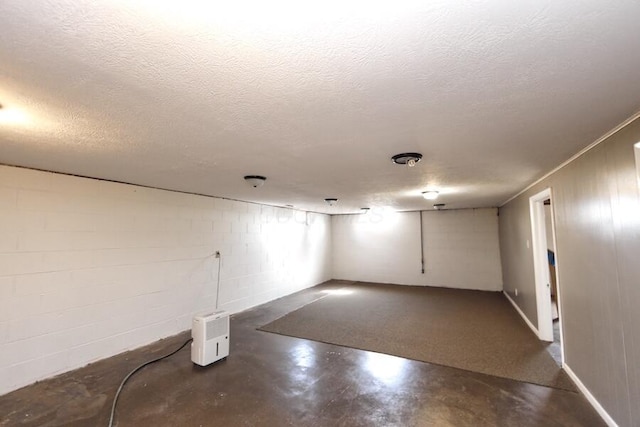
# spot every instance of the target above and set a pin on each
(193, 95)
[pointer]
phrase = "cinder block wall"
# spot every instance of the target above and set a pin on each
(91, 268)
(461, 248)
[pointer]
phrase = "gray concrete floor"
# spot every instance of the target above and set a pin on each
(273, 380)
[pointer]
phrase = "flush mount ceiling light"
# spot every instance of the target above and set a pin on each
(11, 116)
(430, 195)
(331, 202)
(255, 180)
(409, 159)
(438, 206)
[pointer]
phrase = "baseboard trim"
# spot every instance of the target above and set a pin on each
(583, 389)
(527, 321)
(592, 400)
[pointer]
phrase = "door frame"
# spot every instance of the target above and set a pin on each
(540, 264)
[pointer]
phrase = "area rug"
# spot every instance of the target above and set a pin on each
(472, 330)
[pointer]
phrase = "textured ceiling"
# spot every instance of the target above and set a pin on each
(193, 95)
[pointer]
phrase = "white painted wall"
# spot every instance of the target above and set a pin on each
(548, 227)
(90, 268)
(461, 248)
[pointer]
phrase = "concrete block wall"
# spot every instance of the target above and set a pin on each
(461, 248)
(91, 268)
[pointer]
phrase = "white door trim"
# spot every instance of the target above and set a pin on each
(541, 265)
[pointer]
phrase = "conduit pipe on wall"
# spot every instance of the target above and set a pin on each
(421, 244)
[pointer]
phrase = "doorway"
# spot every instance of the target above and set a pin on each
(545, 262)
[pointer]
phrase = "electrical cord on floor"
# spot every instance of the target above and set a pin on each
(218, 282)
(115, 398)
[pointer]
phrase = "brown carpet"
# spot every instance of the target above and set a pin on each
(472, 330)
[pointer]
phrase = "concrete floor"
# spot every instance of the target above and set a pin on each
(273, 380)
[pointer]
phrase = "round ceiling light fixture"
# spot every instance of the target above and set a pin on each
(409, 159)
(430, 195)
(331, 201)
(255, 180)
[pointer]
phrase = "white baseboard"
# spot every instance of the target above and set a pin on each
(527, 321)
(585, 391)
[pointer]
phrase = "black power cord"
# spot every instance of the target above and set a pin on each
(115, 398)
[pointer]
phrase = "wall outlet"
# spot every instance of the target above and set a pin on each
(516, 291)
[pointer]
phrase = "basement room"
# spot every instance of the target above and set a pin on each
(339, 213)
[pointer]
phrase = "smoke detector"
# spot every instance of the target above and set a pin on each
(331, 202)
(255, 180)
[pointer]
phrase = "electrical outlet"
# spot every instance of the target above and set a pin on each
(217, 254)
(516, 291)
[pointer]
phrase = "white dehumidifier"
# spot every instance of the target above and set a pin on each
(210, 333)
